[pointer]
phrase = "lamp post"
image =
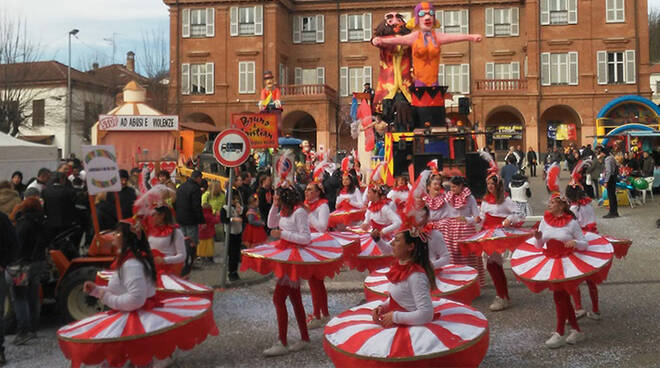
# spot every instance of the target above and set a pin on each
(67, 137)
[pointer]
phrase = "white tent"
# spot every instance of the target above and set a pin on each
(26, 157)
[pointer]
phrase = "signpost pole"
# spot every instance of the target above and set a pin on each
(230, 186)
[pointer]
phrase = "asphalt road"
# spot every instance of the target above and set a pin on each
(627, 336)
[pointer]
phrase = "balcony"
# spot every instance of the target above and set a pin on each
(495, 86)
(308, 90)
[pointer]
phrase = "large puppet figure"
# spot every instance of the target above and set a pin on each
(269, 101)
(393, 98)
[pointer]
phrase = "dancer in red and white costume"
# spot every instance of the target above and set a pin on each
(399, 195)
(349, 209)
(140, 328)
(409, 329)
(552, 178)
(559, 257)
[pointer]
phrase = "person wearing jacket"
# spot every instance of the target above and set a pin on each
(59, 205)
(610, 177)
(648, 165)
(232, 218)
(188, 207)
(9, 198)
(8, 244)
(532, 161)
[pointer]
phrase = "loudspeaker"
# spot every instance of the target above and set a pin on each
(403, 155)
(476, 170)
(421, 159)
(464, 105)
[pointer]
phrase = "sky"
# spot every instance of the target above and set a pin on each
(49, 22)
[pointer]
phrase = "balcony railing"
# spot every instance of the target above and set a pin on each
(308, 90)
(501, 85)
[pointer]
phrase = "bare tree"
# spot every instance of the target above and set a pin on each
(16, 46)
(153, 62)
(654, 35)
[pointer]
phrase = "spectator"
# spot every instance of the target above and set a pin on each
(587, 153)
(521, 156)
(232, 218)
(594, 172)
(265, 194)
(8, 246)
(135, 178)
(508, 171)
(572, 159)
(370, 91)
(127, 195)
(165, 178)
(512, 153)
(43, 176)
(188, 207)
(532, 160)
(106, 210)
(77, 172)
(17, 183)
(244, 189)
(648, 165)
(59, 205)
(9, 198)
(610, 178)
(238, 183)
(29, 218)
(215, 197)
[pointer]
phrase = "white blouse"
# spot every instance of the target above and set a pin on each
(385, 216)
(128, 288)
(173, 249)
(318, 219)
(295, 228)
(469, 211)
(571, 231)
(397, 196)
(355, 199)
(505, 209)
(414, 295)
(519, 194)
(585, 214)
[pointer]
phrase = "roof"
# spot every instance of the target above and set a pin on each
(8, 140)
(44, 72)
(117, 75)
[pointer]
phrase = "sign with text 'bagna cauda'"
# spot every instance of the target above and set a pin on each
(261, 129)
(138, 122)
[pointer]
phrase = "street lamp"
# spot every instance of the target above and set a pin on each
(67, 138)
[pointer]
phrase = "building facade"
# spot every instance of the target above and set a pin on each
(542, 64)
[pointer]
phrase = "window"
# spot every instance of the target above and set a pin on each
(355, 27)
(615, 11)
(352, 80)
(616, 67)
(454, 21)
(246, 77)
(309, 76)
(501, 22)
(455, 76)
(558, 12)
(246, 21)
(503, 70)
(38, 113)
(559, 69)
(198, 22)
(308, 29)
(197, 78)
(283, 75)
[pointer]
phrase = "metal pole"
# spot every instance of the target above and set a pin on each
(230, 186)
(68, 105)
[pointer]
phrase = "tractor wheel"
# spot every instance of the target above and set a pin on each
(73, 302)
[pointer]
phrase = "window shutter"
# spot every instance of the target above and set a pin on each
(525, 66)
(573, 68)
(490, 70)
(251, 76)
(343, 81)
(440, 15)
(280, 75)
(601, 62)
(320, 28)
(320, 75)
(366, 75)
(185, 79)
(515, 27)
(545, 12)
(185, 23)
(490, 28)
(465, 22)
(210, 82)
(465, 78)
(297, 76)
(297, 27)
(233, 21)
(620, 11)
(515, 70)
(258, 20)
(343, 28)
(572, 12)
(441, 75)
(610, 11)
(630, 66)
(545, 68)
(210, 22)
(366, 26)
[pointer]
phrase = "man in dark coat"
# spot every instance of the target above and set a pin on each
(59, 205)
(127, 195)
(188, 206)
(532, 161)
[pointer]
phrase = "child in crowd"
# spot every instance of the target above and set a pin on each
(232, 218)
(520, 192)
(255, 232)
(206, 246)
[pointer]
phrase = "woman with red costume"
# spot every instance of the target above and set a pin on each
(560, 256)
(349, 208)
(409, 326)
(141, 327)
(399, 195)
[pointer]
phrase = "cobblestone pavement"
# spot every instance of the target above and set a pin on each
(626, 337)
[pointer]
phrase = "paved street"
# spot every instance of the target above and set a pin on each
(626, 337)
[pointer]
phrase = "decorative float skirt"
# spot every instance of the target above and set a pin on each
(167, 285)
(556, 267)
(455, 282)
(153, 331)
(346, 214)
(369, 257)
(497, 240)
(457, 337)
(621, 246)
(349, 241)
(320, 259)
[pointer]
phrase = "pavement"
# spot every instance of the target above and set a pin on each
(627, 336)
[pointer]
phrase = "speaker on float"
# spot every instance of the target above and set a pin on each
(476, 170)
(421, 159)
(464, 105)
(403, 157)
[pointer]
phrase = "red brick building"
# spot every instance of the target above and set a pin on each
(542, 62)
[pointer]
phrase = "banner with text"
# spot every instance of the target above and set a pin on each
(138, 122)
(261, 129)
(101, 170)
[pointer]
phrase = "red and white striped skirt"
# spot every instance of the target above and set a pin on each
(454, 230)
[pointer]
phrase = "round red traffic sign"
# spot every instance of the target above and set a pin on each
(231, 147)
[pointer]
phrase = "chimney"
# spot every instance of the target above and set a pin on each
(130, 61)
(95, 66)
